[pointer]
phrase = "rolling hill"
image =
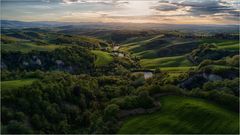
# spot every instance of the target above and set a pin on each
(183, 115)
(175, 61)
(103, 58)
(15, 84)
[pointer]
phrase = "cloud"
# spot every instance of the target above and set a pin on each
(206, 7)
(225, 8)
(165, 7)
(107, 2)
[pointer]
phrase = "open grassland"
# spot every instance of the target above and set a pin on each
(14, 84)
(177, 69)
(103, 58)
(166, 62)
(183, 115)
(230, 47)
(27, 47)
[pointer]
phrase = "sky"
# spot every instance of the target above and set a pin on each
(124, 11)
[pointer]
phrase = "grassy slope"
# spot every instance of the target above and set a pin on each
(152, 47)
(230, 47)
(166, 62)
(224, 44)
(14, 84)
(177, 69)
(184, 115)
(138, 43)
(103, 58)
(28, 47)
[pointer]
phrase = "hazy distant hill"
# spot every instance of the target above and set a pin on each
(120, 26)
(21, 24)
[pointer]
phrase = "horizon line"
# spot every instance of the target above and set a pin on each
(73, 22)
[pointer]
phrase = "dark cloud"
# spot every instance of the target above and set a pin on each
(165, 7)
(200, 8)
(206, 7)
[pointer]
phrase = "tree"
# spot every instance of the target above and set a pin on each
(145, 100)
(111, 111)
(86, 119)
(15, 127)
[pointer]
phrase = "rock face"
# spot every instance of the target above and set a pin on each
(25, 63)
(115, 48)
(212, 77)
(118, 54)
(198, 80)
(193, 82)
(38, 62)
(148, 75)
(3, 65)
(59, 62)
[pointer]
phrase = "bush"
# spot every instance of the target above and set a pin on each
(156, 89)
(227, 86)
(15, 127)
(227, 100)
(111, 111)
(144, 100)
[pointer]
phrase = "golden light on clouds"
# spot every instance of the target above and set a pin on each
(133, 11)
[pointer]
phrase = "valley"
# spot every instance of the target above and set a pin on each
(68, 80)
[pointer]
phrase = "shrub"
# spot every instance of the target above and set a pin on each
(144, 100)
(111, 111)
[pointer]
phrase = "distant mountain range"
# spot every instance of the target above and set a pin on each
(121, 26)
(21, 24)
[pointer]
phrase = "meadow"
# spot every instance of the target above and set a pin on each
(15, 84)
(28, 47)
(183, 115)
(176, 61)
(103, 58)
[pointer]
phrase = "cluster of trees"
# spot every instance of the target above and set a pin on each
(226, 86)
(16, 75)
(119, 66)
(142, 100)
(71, 59)
(220, 97)
(209, 51)
(65, 103)
(229, 61)
(90, 43)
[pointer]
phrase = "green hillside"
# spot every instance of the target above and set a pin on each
(224, 44)
(177, 69)
(175, 61)
(27, 47)
(103, 58)
(14, 84)
(183, 115)
(161, 46)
